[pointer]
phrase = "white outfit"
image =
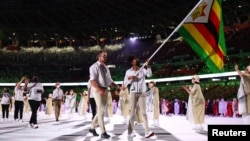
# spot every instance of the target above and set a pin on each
(18, 93)
(242, 108)
(70, 102)
(150, 104)
(189, 110)
(6, 99)
(33, 91)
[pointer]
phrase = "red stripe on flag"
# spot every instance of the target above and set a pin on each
(210, 38)
(213, 18)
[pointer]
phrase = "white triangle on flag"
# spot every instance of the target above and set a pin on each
(201, 13)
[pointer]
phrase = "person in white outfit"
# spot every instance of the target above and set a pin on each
(244, 94)
(198, 103)
(189, 114)
(83, 105)
(19, 98)
(35, 90)
(70, 102)
(6, 103)
(176, 107)
(235, 107)
(156, 102)
(136, 78)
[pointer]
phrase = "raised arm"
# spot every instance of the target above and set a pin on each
(238, 71)
(18, 84)
(186, 88)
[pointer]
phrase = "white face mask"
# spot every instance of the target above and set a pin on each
(57, 86)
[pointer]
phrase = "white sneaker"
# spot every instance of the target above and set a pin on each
(30, 125)
(3, 120)
(135, 123)
(149, 134)
(197, 128)
(201, 130)
(35, 126)
(106, 119)
(194, 128)
(131, 135)
(20, 120)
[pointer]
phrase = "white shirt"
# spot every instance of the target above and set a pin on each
(19, 93)
(138, 85)
(57, 94)
(33, 94)
(5, 98)
(96, 74)
(70, 101)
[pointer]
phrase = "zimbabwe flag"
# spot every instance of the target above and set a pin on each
(203, 30)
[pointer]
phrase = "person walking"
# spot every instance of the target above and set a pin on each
(57, 97)
(70, 102)
(136, 78)
(100, 79)
(5, 103)
(35, 90)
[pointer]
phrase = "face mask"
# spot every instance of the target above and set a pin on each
(57, 86)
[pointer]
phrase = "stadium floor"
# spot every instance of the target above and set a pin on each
(171, 128)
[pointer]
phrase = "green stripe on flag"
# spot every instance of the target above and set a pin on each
(198, 49)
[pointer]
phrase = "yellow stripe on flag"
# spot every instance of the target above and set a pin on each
(204, 45)
(216, 8)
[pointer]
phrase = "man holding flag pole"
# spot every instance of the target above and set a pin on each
(136, 78)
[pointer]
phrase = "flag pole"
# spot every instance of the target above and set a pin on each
(176, 29)
(169, 36)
